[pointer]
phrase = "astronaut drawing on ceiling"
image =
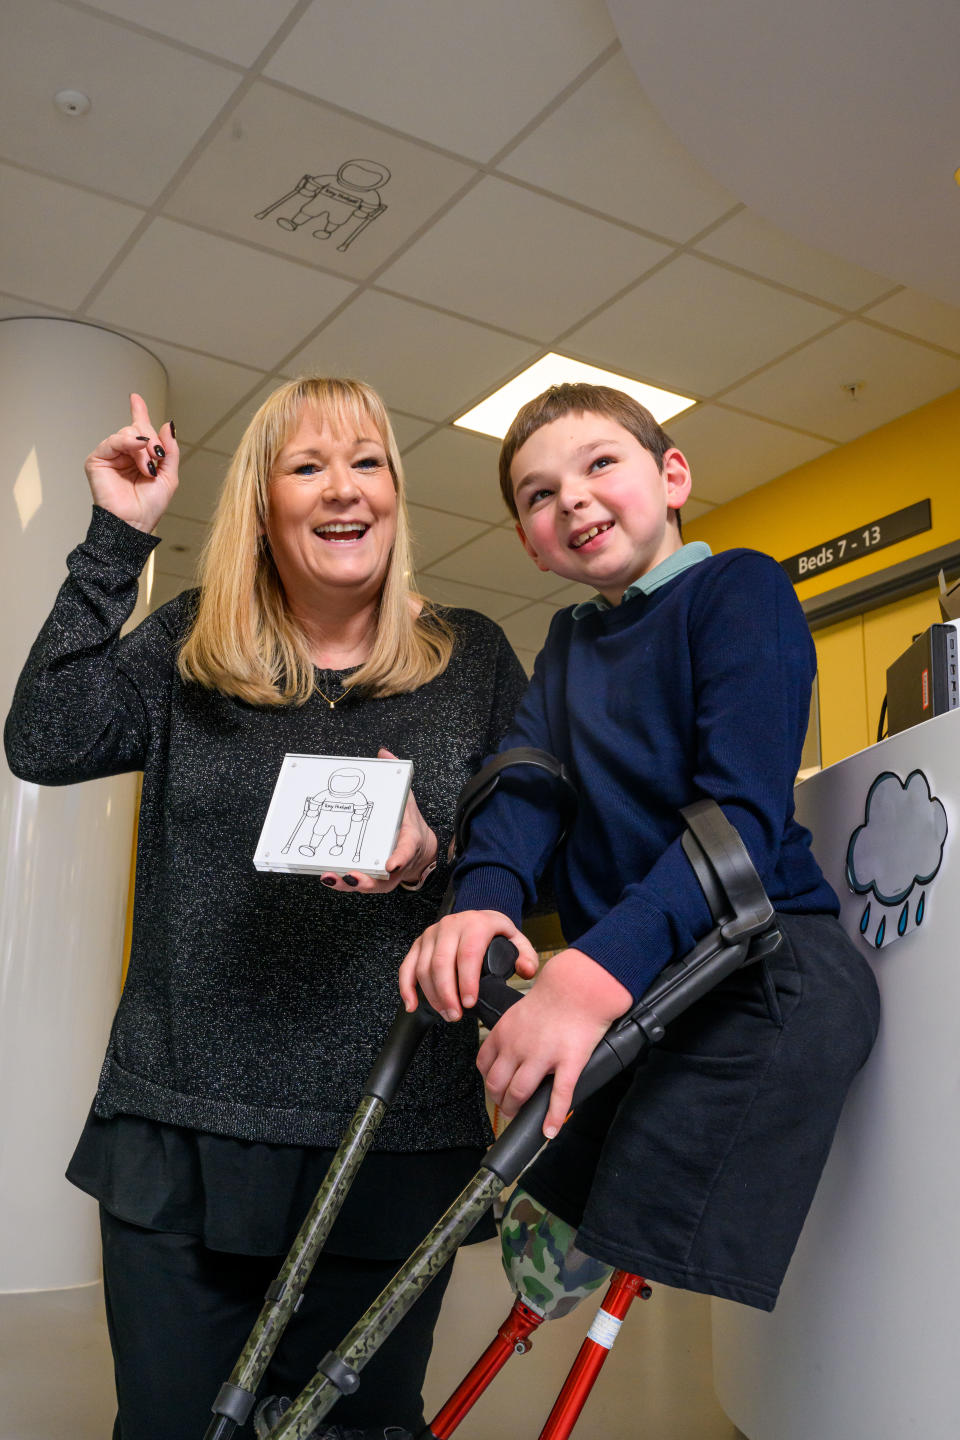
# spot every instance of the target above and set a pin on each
(336, 201)
(332, 812)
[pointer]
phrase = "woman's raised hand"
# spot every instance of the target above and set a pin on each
(134, 472)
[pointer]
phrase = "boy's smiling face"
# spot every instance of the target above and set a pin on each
(592, 504)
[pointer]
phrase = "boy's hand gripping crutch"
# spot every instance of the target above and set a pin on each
(745, 930)
(236, 1396)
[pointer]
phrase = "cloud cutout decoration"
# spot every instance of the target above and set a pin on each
(900, 844)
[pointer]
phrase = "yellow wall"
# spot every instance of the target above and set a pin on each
(915, 458)
(907, 460)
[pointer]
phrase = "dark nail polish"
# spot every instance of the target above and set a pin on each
(350, 880)
(151, 467)
(159, 451)
(327, 880)
(144, 438)
(173, 429)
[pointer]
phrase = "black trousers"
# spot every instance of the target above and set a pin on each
(178, 1315)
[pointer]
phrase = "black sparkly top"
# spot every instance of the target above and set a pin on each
(254, 1003)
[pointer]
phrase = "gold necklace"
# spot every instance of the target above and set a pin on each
(331, 703)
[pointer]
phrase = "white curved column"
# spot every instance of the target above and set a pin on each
(64, 850)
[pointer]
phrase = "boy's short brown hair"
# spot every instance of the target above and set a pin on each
(578, 398)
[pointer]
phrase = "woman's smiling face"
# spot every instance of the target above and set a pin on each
(331, 511)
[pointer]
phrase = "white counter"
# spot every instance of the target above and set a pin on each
(863, 1344)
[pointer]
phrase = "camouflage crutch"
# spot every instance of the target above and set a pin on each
(745, 930)
(236, 1396)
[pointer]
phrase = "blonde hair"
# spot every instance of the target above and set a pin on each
(244, 640)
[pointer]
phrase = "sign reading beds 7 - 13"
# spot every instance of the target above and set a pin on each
(874, 535)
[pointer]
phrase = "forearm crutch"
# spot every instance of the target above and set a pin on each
(236, 1396)
(745, 930)
(513, 1338)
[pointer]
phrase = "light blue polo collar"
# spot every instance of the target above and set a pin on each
(674, 564)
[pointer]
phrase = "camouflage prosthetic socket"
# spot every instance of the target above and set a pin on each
(542, 1261)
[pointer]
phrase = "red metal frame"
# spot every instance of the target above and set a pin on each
(512, 1339)
(623, 1290)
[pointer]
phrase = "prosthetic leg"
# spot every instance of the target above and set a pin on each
(745, 929)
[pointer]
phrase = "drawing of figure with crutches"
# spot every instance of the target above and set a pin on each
(335, 809)
(334, 201)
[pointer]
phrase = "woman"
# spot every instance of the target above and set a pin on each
(255, 1003)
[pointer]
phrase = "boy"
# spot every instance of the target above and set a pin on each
(687, 676)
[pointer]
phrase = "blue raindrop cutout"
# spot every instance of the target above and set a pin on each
(921, 906)
(904, 917)
(865, 919)
(881, 928)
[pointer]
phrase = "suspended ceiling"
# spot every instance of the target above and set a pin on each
(527, 196)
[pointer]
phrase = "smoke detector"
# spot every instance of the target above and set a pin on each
(72, 102)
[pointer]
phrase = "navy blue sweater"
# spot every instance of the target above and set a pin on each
(701, 688)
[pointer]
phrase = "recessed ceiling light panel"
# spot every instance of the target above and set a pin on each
(493, 415)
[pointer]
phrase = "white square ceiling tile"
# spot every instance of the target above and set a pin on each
(13, 307)
(497, 558)
(408, 429)
(730, 453)
(136, 133)
(922, 316)
(528, 659)
(436, 534)
(457, 471)
(165, 587)
(183, 539)
(201, 389)
(215, 295)
(523, 261)
(527, 628)
(235, 32)
(201, 476)
(57, 240)
(607, 147)
(808, 389)
(754, 244)
(696, 327)
(420, 360)
(227, 436)
(314, 184)
(495, 603)
(466, 77)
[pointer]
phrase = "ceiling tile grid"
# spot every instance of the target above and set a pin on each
(535, 200)
(731, 453)
(660, 327)
(607, 147)
(221, 27)
(201, 388)
(56, 238)
(150, 101)
(880, 375)
(421, 360)
(521, 260)
(752, 243)
(305, 180)
(456, 470)
(185, 286)
(467, 77)
(495, 561)
(492, 602)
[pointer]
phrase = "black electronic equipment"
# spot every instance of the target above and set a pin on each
(923, 681)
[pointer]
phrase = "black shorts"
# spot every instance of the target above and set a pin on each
(697, 1167)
